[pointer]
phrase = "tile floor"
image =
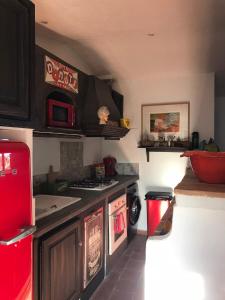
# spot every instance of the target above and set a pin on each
(126, 280)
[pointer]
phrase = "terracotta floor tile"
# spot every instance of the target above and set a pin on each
(122, 262)
(139, 293)
(126, 285)
(132, 276)
(140, 255)
(121, 295)
(126, 280)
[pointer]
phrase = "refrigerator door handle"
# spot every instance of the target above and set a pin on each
(24, 232)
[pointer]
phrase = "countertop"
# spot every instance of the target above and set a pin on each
(89, 199)
(190, 185)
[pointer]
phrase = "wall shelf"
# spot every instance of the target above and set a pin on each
(106, 131)
(59, 133)
(162, 149)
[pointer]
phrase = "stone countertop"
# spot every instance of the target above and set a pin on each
(191, 186)
(89, 199)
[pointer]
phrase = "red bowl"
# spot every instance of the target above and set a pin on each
(209, 167)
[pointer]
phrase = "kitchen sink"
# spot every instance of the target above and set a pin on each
(48, 204)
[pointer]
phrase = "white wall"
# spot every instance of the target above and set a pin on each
(92, 150)
(46, 152)
(57, 46)
(219, 122)
(164, 169)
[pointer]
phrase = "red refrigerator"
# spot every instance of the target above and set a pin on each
(15, 222)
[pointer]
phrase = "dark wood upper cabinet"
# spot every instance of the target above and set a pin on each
(45, 91)
(16, 58)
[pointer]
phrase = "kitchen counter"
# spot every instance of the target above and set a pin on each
(89, 199)
(190, 185)
(190, 192)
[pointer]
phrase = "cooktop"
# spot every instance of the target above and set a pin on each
(93, 184)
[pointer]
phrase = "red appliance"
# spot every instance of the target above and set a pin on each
(117, 223)
(15, 222)
(60, 114)
(157, 205)
(110, 166)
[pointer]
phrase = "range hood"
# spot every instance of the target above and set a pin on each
(99, 94)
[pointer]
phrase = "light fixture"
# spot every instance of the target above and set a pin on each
(43, 22)
(150, 34)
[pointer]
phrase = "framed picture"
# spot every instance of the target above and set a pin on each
(170, 120)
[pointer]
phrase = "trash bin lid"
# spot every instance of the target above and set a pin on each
(153, 195)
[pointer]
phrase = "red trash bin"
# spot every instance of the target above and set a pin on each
(157, 204)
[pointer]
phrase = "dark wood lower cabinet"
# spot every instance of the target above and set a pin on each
(61, 264)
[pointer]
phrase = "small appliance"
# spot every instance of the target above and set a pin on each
(110, 166)
(15, 222)
(117, 223)
(133, 210)
(60, 114)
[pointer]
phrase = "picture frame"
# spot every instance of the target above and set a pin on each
(165, 123)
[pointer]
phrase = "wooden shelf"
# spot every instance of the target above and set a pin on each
(59, 132)
(162, 149)
(106, 131)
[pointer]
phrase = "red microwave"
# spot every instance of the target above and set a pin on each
(60, 114)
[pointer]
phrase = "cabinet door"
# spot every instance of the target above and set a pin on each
(16, 57)
(61, 264)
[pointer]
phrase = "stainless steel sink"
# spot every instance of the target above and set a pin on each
(48, 204)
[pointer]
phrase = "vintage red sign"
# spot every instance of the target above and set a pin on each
(93, 246)
(60, 75)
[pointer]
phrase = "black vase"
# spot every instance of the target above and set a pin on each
(195, 140)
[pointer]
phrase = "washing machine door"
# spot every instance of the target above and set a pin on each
(134, 209)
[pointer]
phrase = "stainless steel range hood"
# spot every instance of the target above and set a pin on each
(99, 94)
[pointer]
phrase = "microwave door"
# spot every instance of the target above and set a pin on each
(60, 114)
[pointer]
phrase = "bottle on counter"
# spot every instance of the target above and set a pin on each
(195, 140)
(100, 171)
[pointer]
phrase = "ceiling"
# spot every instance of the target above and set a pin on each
(134, 39)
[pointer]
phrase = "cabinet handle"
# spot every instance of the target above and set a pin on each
(80, 244)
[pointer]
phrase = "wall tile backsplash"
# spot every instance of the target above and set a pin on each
(71, 160)
(38, 181)
(72, 167)
(127, 168)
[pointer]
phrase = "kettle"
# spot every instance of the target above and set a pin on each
(110, 166)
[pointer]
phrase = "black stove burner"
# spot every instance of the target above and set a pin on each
(92, 183)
